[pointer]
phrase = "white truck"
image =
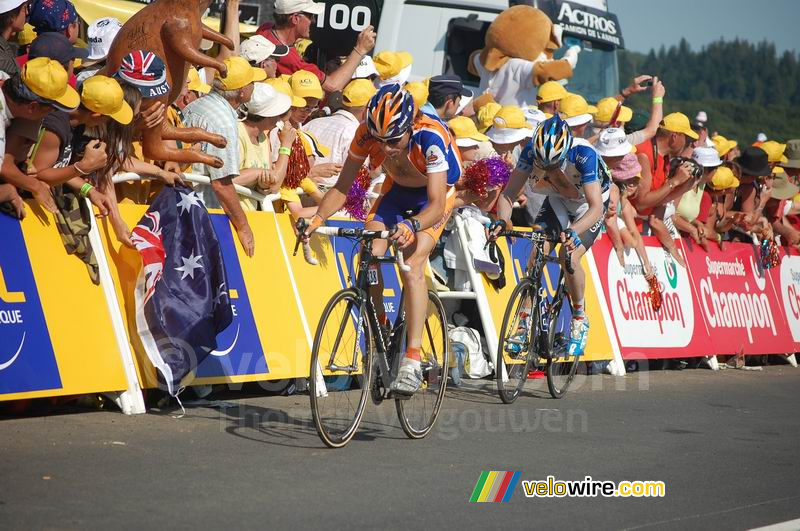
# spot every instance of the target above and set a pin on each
(442, 34)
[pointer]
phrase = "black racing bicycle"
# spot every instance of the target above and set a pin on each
(355, 357)
(529, 338)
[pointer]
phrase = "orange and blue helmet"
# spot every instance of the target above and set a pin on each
(390, 112)
(551, 142)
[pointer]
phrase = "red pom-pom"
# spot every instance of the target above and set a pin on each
(298, 167)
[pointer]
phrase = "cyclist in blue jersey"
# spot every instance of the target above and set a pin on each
(576, 182)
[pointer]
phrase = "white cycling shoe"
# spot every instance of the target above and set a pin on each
(409, 377)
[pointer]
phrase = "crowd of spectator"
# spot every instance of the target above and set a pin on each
(68, 128)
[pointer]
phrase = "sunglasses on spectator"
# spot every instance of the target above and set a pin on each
(309, 16)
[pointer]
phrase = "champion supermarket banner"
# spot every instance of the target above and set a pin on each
(677, 330)
(722, 303)
(56, 336)
(738, 300)
(786, 281)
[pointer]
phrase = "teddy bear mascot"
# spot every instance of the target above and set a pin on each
(518, 56)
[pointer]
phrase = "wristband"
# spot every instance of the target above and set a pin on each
(85, 189)
(284, 151)
(659, 99)
(80, 171)
(574, 235)
(359, 52)
(408, 224)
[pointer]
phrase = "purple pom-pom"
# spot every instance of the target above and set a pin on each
(499, 171)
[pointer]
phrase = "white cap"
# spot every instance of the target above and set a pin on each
(468, 142)
(258, 48)
(534, 116)
(613, 143)
(508, 135)
(465, 100)
(578, 120)
(100, 35)
(761, 137)
(365, 69)
(287, 7)
(10, 5)
(701, 117)
(707, 157)
(268, 102)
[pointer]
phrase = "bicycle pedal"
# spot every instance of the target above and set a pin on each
(394, 395)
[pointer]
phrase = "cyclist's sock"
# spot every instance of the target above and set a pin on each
(414, 354)
(578, 311)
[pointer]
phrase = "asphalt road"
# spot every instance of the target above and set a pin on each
(724, 443)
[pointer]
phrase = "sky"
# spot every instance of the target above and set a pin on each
(648, 24)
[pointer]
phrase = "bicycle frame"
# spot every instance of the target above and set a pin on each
(534, 274)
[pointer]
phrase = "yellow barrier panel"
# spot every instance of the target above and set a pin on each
(516, 255)
(56, 337)
(267, 339)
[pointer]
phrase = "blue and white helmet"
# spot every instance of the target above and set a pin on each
(551, 143)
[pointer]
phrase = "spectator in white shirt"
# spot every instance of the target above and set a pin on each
(337, 130)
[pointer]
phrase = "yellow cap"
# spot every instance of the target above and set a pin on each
(796, 199)
(777, 170)
(358, 92)
(406, 59)
(723, 145)
(464, 128)
(486, 115)
(301, 45)
(575, 105)
(282, 86)
(724, 179)
(774, 151)
(606, 108)
(678, 122)
(418, 91)
(551, 91)
(26, 36)
(306, 85)
(511, 117)
(389, 64)
(48, 80)
(195, 83)
(240, 74)
(104, 95)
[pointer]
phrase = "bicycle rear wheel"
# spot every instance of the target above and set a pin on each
(517, 351)
(341, 368)
(561, 367)
(418, 414)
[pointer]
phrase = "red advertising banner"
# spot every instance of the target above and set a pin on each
(677, 330)
(738, 301)
(786, 281)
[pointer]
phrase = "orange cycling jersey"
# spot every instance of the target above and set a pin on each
(429, 150)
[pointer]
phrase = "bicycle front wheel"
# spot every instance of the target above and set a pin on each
(340, 373)
(517, 351)
(419, 412)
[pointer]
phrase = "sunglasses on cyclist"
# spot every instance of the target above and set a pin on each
(392, 141)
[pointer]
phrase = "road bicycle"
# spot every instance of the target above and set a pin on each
(529, 337)
(355, 357)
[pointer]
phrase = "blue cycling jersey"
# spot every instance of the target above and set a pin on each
(582, 166)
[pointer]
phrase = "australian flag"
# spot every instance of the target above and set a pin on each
(182, 298)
